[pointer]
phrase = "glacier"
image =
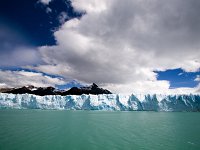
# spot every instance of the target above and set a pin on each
(120, 102)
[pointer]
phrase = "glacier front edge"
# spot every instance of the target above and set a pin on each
(133, 102)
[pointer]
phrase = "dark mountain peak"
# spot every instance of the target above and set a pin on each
(94, 85)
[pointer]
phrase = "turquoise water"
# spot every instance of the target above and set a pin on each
(98, 130)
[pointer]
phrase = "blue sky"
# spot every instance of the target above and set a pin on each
(179, 78)
(45, 37)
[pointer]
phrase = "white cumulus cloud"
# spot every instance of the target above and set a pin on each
(23, 78)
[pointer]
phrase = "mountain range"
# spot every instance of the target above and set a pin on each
(42, 91)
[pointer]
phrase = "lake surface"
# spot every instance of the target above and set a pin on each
(98, 130)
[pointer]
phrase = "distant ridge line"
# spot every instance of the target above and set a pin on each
(42, 91)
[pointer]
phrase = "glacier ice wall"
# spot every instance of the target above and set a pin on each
(137, 102)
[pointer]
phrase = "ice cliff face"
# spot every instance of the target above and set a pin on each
(102, 102)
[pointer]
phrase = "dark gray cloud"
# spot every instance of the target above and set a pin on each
(15, 49)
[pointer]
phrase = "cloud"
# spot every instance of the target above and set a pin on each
(23, 78)
(180, 74)
(119, 44)
(48, 10)
(197, 78)
(198, 89)
(150, 87)
(62, 17)
(140, 87)
(20, 56)
(45, 2)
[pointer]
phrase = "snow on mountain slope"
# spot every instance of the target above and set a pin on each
(102, 102)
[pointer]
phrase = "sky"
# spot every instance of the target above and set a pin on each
(129, 46)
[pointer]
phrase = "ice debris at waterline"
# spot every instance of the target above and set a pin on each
(136, 102)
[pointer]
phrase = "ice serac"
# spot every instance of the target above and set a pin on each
(134, 102)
